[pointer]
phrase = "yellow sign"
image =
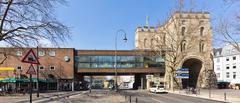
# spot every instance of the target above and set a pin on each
(6, 68)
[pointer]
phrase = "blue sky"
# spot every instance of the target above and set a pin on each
(94, 22)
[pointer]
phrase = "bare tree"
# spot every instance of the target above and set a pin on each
(27, 22)
(228, 25)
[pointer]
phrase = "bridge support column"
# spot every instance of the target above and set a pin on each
(140, 81)
(78, 82)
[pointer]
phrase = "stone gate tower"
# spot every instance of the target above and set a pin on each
(187, 39)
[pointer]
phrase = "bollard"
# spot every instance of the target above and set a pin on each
(225, 96)
(130, 101)
(136, 100)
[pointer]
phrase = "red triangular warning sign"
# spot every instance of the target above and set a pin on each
(31, 70)
(30, 58)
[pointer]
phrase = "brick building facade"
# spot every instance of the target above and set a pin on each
(56, 65)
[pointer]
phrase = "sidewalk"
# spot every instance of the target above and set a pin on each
(19, 98)
(232, 96)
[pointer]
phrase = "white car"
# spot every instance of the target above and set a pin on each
(158, 89)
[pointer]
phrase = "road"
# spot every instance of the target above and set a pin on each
(104, 96)
(145, 97)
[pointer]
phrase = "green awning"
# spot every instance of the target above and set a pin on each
(9, 80)
(21, 80)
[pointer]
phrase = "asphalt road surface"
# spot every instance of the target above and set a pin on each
(146, 97)
(105, 96)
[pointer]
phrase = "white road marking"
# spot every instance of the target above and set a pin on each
(158, 100)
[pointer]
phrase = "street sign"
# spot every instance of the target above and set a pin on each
(179, 72)
(31, 70)
(149, 76)
(30, 57)
(182, 75)
(183, 69)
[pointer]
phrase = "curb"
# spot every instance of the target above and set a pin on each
(200, 97)
(51, 98)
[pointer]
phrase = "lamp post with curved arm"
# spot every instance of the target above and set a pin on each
(115, 65)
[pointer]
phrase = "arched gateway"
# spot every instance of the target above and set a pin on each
(194, 66)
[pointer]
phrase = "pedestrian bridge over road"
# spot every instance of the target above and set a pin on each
(128, 62)
(102, 62)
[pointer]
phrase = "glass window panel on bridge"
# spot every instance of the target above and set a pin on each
(83, 65)
(125, 65)
(84, 59)
(122, 61)
(126, 58)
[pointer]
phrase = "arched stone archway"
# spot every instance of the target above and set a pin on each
(194, 66)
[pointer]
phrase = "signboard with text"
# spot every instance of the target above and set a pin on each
(182, 73)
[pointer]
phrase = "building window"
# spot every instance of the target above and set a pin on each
(227, 58)
(157, 39)
(218, 60)
(201, 22)
(52, 68)
(218, 67)
(145, 43)
(227, 74)
(201, 46)
(52, 53)
(218, 75)
(183, 22)
(234, 66)
(19, 53)
(19, 68)
(183, 31)
(183, 45)
(228, 52)
(234, 58)
(234, 51)
(201, 31)
(41, 67)
(152, 40)
(41, 53)
(227, 66)
(234, 75)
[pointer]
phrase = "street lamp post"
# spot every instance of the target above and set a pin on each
(37, 75)
(115, 65)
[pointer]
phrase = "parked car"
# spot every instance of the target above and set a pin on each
(158, 89)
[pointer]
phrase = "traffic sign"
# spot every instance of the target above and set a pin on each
(182, 75)
(30, 57)
(182, 72)
(31, 70)
(149, 76)
(183, 69)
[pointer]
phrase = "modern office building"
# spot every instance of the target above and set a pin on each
(227, 65)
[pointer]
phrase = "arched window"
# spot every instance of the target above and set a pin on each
(152, 42)
(183, 31)
(183, 45)
(145, 42)
(201, 31)
(201, 46)
(157, 39)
